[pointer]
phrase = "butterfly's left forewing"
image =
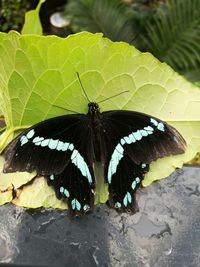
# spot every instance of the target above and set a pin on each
(129, 142)
(60, 149)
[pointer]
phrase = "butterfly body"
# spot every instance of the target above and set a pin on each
(64, 149)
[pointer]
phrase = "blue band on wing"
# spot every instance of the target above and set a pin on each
(118, 152)
(58, 145)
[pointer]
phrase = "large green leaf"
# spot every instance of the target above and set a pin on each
(37, 72)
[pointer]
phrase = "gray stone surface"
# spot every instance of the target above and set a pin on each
(165, 232)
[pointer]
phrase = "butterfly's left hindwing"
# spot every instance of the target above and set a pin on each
(129, 142)
(61, 149)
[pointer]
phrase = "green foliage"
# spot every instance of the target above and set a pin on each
(173, 35)
(12, 14)
(112, 18)
(38, 72)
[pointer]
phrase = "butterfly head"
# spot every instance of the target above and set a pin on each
(93, 108)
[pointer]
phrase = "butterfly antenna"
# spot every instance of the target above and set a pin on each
(82, 87)
(113, 96)
(66, 109)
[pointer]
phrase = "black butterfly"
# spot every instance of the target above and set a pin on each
(64, 149)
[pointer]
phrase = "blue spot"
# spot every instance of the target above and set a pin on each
(109, 173)
(113, 166)
(143, 165)
(132, 138)
(86, 207)
(122, 141)
(137, 135)
(120, 149)
(73, 202)
(117, 155)
(154, 122)
(38, 143)
(127, 140)
(133, 185)
(135, 182)
(60, 145)
(66, 193)
(137, 179)
(143, 132)
(65, 146)
(161, 126)
(30, 134)
(149, 129)
(76, 204)
(127, 199)
(53, 144)
(45, 142)
(78, 160)
(51, 177)
(118, 205)
(118, 152)
(23, 140)
(71, 147)
(62, 189)
(37, 140)
(74, 153)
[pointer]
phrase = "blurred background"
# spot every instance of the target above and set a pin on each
(169, 29)
(166, 230)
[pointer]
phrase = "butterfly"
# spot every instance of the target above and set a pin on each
(64, 149)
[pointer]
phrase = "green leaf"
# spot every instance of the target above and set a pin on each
(32, 23)
(37, 72)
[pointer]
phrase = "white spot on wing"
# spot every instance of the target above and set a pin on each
(53, 144)
(114, 162)
(45, 142)
(37, 140)
(154, 122)
(76, 205)
(161, 126)
(30, 134)
(80, 163)
(51, 177)
(23, 140)
(137, 135)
